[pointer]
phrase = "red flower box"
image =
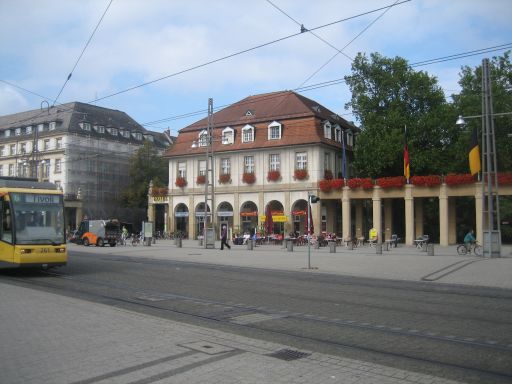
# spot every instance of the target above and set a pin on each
(391, 182)
(365, 183)
(273, 175)
(225, 178)
(505, 178)
(453, 180)
(181, 182)
(300, 174)
(325, 185)
(248, 178)
(159, 191)
(201, 179)
(337, 184)
(426, 181)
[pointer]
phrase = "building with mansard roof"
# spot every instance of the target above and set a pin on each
(270, 151)
(83, 148)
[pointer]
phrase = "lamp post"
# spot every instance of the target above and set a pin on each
(490, 195)
(209, 179)
(312, 199)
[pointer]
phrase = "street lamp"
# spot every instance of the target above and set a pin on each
(312, 199)
(209, 179)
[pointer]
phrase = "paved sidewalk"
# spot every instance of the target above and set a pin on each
(51, 339)
(402, 263)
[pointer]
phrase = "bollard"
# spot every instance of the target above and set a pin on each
(378, 248)
(289, 245)
(430, 249)
(178, 242)
(250, 245)
(332, 247)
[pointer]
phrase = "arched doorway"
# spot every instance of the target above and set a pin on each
(200, 216)
(225, 216)
(300, 217)
(278, 217)
(181, 215)
(248, 217)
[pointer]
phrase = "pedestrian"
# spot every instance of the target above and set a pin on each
(224, 238)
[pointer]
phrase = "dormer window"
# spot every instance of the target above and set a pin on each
(28, 130)
(337, 133)
(249, 113)
(40, 127)
(84, 126)
(137, 135)
(113, 131)
(52, 125)
(350, 138)
(274, 131)
(7, 133)
(127, 134)
(247, 134)
(327, 130)
(149, 137)
(17, 131)
(203, 138)
(228, 135)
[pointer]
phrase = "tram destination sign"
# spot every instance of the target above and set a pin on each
(31, 198)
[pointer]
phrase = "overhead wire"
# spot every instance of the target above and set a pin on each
(82, 53)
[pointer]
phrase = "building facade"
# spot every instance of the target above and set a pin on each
(269, 152)
(83, 148)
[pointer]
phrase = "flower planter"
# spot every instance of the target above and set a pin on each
(454, 180)
(180, 182)
(300, 174)
(225, 178)
(365, 183)
(273, 176)
(249, 178)
(325, 185)
(391, 182)
(201, 179)
(426, 181)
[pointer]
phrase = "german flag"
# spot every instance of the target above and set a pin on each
(407, 169)
(474, 154)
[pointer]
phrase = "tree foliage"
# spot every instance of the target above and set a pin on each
(146, 165)
(387, 96)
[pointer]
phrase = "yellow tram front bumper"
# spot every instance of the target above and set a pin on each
(40, 255)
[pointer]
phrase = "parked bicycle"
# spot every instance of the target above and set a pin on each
(137, 239)
(475, 248)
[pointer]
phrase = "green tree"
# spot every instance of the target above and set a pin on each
(469, 103)
(387, 96)
(146, 165)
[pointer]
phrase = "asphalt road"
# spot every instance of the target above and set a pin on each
(460, 333)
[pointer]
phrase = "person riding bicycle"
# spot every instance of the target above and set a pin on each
(469, 239)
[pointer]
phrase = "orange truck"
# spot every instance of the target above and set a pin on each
(98, 232)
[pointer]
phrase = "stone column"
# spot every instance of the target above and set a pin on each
(443, 215)
(345, 212)
(418, 213)
(377, 215)
(388, 219)
(409, 215)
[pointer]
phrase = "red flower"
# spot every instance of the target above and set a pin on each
(225, 178)
(273, 175)
(505, 178)
(459, 179)
(248, 178)
(365, 183)
(300, 174)
(325, 185)
(427, 181)
(159, 191)
(337, 184)
(181, 182)
(201, 179)
(391, 182)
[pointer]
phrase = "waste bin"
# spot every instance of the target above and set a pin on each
(430, 249)
(332, 247)
(289, 245)
(250, 244)
(178, 242)
(378, 248)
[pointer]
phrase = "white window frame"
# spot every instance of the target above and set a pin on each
(11, 169)
(301, 160)
(7, 133)
(337, 133)
(12, 149)
(28, 130)
(203, 138)
(225, 166)
(52, 126)
(58, 166)
(17, 132)
(23, 148)
(249, 164)
(274, 131)
(228, 135)
(58, 142)
(327, 130)
(40, 128)
(202, 167)
(113, 131)
(46, 144)
(182, 169)
(350, 139)
(247, 134)
(274, 162)
(2, 150)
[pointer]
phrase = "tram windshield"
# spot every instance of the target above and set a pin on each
(38, 218)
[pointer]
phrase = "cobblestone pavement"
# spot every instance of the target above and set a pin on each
(51, 339)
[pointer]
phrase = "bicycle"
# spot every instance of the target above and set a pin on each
(474, 247)
(137, 239)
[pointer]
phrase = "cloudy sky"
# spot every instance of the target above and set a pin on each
(226, 49)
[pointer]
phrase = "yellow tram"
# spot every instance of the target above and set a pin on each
(32, 230)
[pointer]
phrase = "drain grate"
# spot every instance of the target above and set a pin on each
(289, 354)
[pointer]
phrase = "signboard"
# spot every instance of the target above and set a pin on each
(210, 238)
(225, 214)
(147, 229)
(160, 199)
(181, 214)
(275, 218)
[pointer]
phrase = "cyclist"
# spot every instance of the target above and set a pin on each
(469, 239)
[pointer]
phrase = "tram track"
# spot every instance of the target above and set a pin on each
(286, 324)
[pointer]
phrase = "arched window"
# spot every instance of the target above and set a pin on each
(327, 130)
(203, 138)
(228, 135)
(337, 133)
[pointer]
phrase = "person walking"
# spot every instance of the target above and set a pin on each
(224, 238)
